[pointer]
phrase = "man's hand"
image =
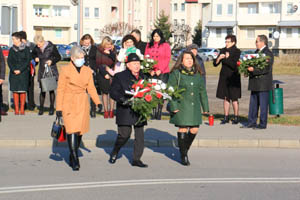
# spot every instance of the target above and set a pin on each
(107, 76)
(222, 56)
(250, 69)
(175, 111)
(17, 72)
(49, 62)
(1, 81)
(37, 60)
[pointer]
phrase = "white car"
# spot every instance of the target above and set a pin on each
(211, 53)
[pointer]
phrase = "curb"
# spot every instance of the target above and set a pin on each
(200, 143)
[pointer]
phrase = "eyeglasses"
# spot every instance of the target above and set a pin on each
(228, 42)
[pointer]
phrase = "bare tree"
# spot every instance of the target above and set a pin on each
(182, 34)
(117, 29)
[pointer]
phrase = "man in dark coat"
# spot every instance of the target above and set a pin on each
(125, 116)
(260, 83)
(140, 44)
(2, 78)
(30, 92)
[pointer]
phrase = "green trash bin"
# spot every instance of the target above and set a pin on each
(276, 100)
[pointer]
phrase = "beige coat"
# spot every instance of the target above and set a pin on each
(72, 97)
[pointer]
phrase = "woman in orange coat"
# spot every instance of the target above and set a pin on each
(72, 104)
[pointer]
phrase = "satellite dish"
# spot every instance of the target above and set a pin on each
(276, 35)
(74, 2)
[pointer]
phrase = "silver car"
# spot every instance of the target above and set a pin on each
(211, 53)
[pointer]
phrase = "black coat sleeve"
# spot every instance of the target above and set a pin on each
(215, 60)
(2, 65)
(92, 57)
(231, 61)
(117, 92)
(55, 56)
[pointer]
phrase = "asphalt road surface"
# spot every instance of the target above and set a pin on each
(227, 174)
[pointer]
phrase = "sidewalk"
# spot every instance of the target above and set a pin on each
(32, 130)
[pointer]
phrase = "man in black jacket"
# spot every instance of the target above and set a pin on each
(260, 83)
(2, 78)
(125, 116)
(140, 44)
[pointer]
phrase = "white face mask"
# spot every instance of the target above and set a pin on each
(79, 62)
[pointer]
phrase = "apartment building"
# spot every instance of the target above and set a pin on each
(56, 20)
(278, 19)
(185, 13)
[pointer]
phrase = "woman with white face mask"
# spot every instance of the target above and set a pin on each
(74, 84)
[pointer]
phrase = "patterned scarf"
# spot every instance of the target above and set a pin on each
(185, 71)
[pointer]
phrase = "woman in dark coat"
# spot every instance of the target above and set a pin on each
(46, 54)
(186, 113)
(88, 46)
(106, 57)
(18, 61)
(229, 86)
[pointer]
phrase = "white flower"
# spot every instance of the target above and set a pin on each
(154, 80)
(147, 56)
(171, 89)
(142, 66)
(159, 82)
(147, 65)
(151, 60)
(257, 56)
(157, 87)
(263, 55)
(163, 86)
(244, 58)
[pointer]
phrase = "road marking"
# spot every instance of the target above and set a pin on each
(124, 183)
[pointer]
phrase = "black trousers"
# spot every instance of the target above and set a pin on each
(258, 100)
(30, 93)
(1, 100)
(138, 148)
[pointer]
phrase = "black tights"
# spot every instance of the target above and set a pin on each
(43, 96)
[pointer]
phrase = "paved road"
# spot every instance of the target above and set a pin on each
(291, 95)
(248, 174)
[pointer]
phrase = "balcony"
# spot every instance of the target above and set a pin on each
(51, 21)
(258, 19)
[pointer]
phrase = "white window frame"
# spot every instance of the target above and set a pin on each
(228, 6)
(219, 8)
(61, 33)
(289, 10)
(86, 12)
(98, 16)
(251, 7)
(218, 34)
(175, 7)
(288, 33)
(182, 7)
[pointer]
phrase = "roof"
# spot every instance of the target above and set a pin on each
(289, 23)
(221, 24)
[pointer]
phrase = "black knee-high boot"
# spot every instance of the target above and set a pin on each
(73, 148)
(183, 148)
(189, 139)
(118, 145)
(159, 112)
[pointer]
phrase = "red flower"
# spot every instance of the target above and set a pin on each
(149, 85)
(252, 56)
(126, 58)
(148, 98)
(158, 95)
(238, 63)
(139, 95)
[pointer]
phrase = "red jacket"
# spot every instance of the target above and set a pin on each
(162, 54)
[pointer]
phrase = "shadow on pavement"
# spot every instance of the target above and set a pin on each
(171, 152)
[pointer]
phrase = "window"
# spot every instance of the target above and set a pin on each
(229, 31)
(252, 8)
(58, 33)
(298, 32)
(96, 12)
(97, 34)
(57, 11)
(289, 8)
(289, 32)
(87, 12)
(175, 7)
(271, 31)
(183, 7)
(219, 9)
(274, 7)
(183, 22)
(219, 32)
(250, 33)
(38, 11)
(230, 9)
(175, 22)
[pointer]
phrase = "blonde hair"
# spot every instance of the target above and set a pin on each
(106, 40)
(38, 38)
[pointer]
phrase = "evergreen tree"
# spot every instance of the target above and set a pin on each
(197, 37)
(162, 23)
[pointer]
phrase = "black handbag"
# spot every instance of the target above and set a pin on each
(58, 131)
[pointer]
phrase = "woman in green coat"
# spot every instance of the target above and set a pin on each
(18, 61)
(186, 113)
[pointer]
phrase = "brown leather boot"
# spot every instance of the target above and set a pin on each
(22, 103)
(16, 102)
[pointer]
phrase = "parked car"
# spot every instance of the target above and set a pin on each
(64, 51)
(5, 49)
(73, 44)
(247, 52)
(211, 53)
(178, 52)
